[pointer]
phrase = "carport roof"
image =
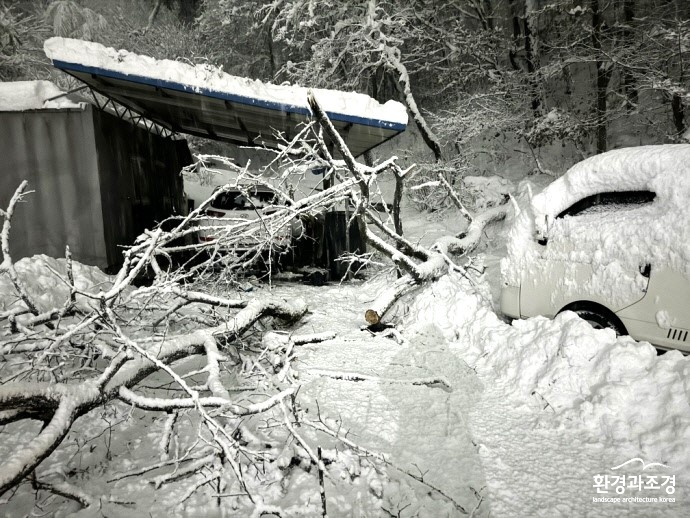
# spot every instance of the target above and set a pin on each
(204, 101)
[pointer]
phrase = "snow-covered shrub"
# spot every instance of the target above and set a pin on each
(555, 126)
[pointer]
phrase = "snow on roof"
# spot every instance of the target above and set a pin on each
(207, 78)
(19, 96)
(662, 169)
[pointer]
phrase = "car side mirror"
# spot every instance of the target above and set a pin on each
(542, 231)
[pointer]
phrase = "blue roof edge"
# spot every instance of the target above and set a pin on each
(249, 101)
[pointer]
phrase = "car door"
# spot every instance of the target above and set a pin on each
(579, 259)
(663, 315)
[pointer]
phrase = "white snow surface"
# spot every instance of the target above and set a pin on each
(46, 281)
(663, 169)
(563, 402)
(18, 96)
(211, 78)
(535, 410)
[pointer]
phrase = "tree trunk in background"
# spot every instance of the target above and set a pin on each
(677, 105)
(531, 57)
(153, 14)
(629, 84)
(678, 113)
(189, 10)
(603, 77)
(517, 34)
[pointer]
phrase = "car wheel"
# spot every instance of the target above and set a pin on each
(598, 317)
(601, 321)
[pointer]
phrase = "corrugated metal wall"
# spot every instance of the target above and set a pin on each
(55, 151)
(99, 182)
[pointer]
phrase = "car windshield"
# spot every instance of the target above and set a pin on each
(236, 200)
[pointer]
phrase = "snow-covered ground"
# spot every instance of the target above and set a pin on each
(528, 419)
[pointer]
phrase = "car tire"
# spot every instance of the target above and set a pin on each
(599, 318)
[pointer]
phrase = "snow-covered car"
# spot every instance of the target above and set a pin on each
(609, 240)
(239, 220)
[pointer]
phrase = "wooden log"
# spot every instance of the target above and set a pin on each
(387, 298)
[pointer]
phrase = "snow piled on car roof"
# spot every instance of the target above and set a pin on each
(614, 240)
(663, 169)
(208, 77)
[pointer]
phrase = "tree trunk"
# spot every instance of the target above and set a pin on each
(531, 57)
(603, 78)
(678, 113)
(188, 11)
(517, 34)
(629, 83)
(153, 14)
(677, 102)
(403, 85)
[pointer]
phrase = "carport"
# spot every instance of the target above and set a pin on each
(203, 101)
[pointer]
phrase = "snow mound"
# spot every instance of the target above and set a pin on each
(615, 389)
(45, 278)
(207, 77)
(32, 95)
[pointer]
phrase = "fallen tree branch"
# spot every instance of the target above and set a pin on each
(72, 400)
(455, 198)
(436, 265)
(66, 490)
(320, 426)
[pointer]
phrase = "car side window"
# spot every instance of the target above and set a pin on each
(235, 200)
(607, 201)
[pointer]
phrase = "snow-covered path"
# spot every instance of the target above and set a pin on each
(420, 428)
(539, 471)
(485, 440)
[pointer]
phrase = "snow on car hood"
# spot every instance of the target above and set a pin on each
(657, 233)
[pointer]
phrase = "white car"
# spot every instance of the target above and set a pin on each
(240, 219)
(609, 240)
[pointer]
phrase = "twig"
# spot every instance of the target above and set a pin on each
(454, 196)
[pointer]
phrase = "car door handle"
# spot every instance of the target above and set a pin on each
(645, 270)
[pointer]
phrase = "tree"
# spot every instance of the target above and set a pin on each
(361, 45)
(71, 20)
(20, 35)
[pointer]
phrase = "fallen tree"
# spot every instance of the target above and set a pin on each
(419, 264)
(175, 346)
(181, 348)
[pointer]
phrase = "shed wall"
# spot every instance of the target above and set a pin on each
(55, 151)
(140, 180)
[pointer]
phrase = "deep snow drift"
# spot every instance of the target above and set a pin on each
(558, 379)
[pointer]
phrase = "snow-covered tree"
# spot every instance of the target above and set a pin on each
(374, 46)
